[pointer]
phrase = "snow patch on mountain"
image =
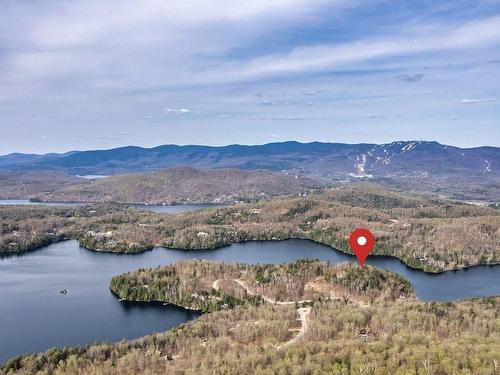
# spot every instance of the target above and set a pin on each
(487, 167)
(360, 167)
(408, 147)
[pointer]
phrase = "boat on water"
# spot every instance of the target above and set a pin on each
(64, 291)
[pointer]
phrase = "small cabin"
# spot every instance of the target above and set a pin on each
(166, 355)
(362, 333)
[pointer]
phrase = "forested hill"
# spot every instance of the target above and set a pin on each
(176, 185)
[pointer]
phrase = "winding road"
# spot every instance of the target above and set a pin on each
(302, 311)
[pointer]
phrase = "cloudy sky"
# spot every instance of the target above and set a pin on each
(90, 74)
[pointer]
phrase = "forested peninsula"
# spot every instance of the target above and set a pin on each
(305, 317)
(210, 286)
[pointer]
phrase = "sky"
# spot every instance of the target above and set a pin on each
(85, 74)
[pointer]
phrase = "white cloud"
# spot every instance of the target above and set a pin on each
(290, 118)
(477, 100)
(180, 111)
(76, 23)
(474, 34)
(129, 45)
(53, 49)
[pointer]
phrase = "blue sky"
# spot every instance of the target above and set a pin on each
(106, 73)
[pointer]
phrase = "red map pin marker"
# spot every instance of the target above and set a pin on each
(361, 242)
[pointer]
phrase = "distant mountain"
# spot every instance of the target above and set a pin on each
(424, 159)
(18, 160)
(177, 185)
(274, 156)
(416, 158)
(420, 164)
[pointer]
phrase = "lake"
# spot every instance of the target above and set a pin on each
(36, 317)
(159, 208)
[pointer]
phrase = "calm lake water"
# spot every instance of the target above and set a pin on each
(178, 208)
(23, 202)
(169, 209)
(34, 316)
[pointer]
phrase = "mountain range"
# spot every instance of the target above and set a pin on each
(467, 173)
(403, 158)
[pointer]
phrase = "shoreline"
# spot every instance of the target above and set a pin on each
(159, 204)
(10, 254)
(149, 302)
(90, 203)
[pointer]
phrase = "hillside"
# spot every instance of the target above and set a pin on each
(26, 185)
(472, 173)
(426, 233)
(184, 185)
(391, 333)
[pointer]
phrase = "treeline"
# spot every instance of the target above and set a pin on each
(25, 227)
(424, 232)
(187, 284)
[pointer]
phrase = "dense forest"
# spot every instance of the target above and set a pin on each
(326, 334)
(424, 232)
